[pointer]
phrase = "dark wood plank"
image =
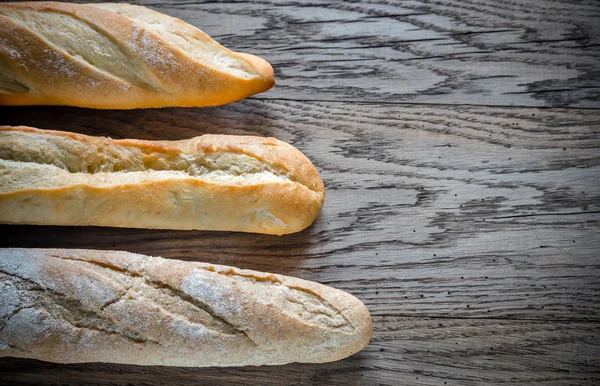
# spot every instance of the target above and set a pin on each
(430, 211)
(486, 219)
(471, 233)
(404, 351)
(490, 52)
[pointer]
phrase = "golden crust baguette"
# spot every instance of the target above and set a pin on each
(117, 56)
(73, 306)
(211, 182)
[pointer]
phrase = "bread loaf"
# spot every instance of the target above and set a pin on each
(103, 306)
(117, 56)
(211, 182)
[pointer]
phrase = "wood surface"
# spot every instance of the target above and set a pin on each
(464, 211)
(491, 52)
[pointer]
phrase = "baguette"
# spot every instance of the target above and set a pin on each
(117, 56)
(211, 182)
(72, 306)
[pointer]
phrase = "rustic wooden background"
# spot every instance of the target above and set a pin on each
(458, 141)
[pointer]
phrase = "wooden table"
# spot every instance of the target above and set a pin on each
(459, 145)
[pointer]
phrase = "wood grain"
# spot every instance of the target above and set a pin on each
(456, 225)
(405, 351)
(462, 206)
(483, 52)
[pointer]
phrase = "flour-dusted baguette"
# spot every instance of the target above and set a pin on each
(211, 182)
(117, 56)
(104, 306)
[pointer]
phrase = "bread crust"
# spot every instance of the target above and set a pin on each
(55, 52)
(71, 306)
(211, 182)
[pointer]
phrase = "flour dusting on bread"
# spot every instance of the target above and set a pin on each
(82, 305)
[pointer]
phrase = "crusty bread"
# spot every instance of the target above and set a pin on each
(211, 182)
(117, 56)
(104, 306)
